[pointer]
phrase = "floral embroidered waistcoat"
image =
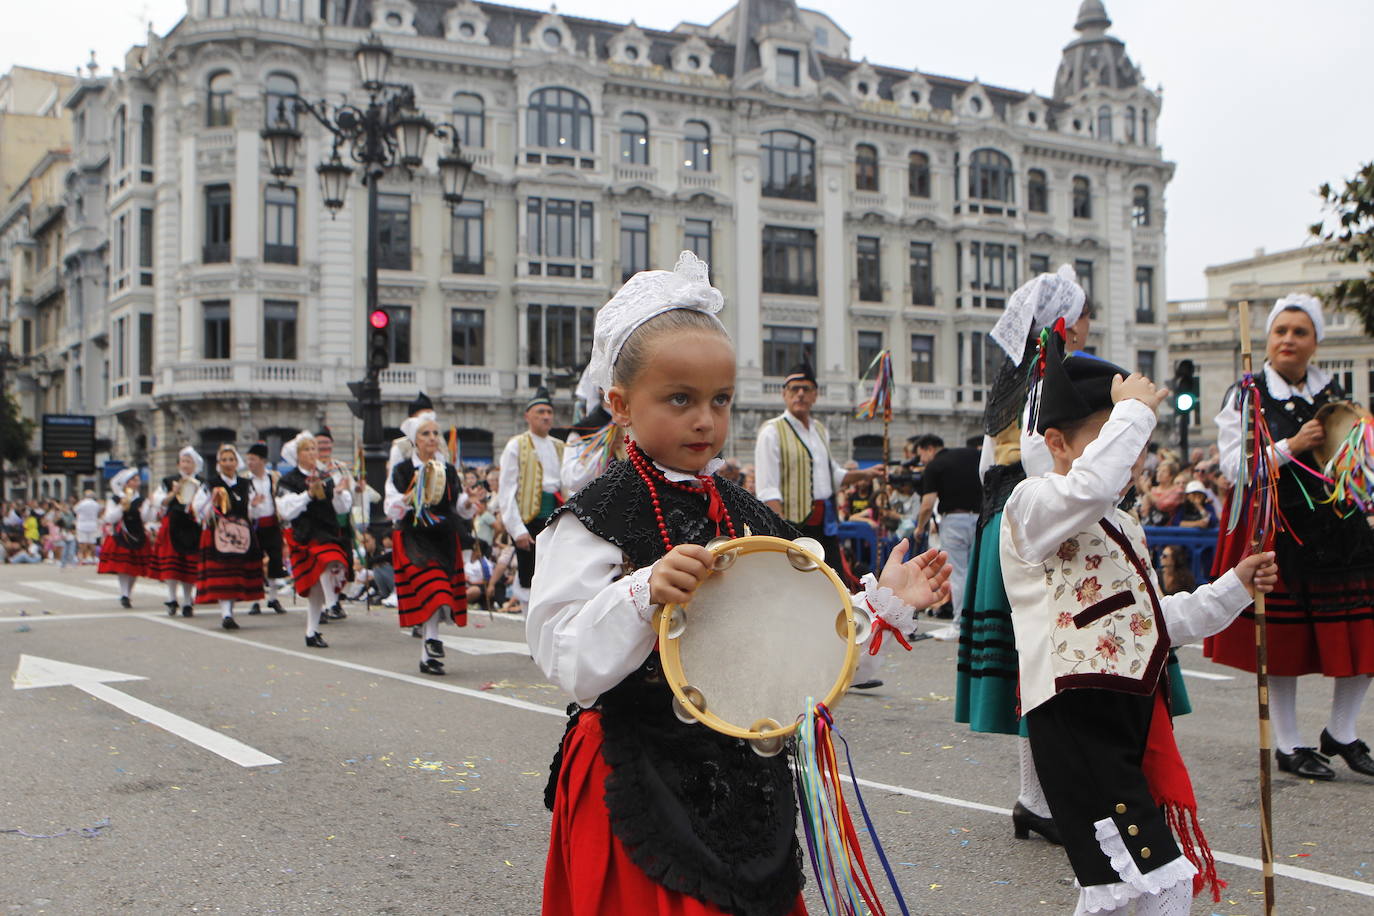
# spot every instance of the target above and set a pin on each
(1089, 616)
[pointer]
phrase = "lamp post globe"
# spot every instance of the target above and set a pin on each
(283, 141)
(373, 59)
(454, 172)
(334, 175)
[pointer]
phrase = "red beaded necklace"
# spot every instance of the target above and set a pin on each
(652, 476)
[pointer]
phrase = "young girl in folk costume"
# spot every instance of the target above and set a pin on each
(1321, 615)
(309, 504)
(1093, 634)
(651, 816)
(176, 555)
(425, 499)
(125, 551)
(230, 558)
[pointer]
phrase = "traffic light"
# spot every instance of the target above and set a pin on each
(1185, 387)
(378, 340)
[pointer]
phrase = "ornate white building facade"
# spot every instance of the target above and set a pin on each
(845, 208)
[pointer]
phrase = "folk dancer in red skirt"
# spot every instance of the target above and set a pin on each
(176, 553)
(427, 549)
(309, 504)
(230, 557)
(125, 551)
(1321, 615)
(262, 511)
(651, 816)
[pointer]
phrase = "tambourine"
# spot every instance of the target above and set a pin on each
(1337, 418)
(186, 490)
(771, 629)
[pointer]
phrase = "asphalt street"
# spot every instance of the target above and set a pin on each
(393, 792)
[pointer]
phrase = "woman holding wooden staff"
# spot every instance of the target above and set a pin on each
(1321, 614)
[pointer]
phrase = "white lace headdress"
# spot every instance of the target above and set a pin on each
(1037, 304)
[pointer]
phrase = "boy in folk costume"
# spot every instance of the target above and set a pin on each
(1093, 636)
(262, 509)
(531, 484)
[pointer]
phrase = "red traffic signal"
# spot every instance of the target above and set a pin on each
(379, 319)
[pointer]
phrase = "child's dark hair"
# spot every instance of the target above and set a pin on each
(1070, 428)
(633, 353)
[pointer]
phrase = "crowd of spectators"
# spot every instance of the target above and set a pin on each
(42, 531)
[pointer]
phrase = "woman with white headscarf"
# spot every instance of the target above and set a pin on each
(424, 500)
(125, 551)
(310, 505)
(176, 555)
(1321, 613)
(231, 558)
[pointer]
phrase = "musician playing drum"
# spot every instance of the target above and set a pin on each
(693, 822)
(176, 555)
(1321, 614)
(230, 556)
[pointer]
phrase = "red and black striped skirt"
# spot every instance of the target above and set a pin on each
(310, 559)
(169, 564)
(117, 559)
(227, 578)
(421, 590)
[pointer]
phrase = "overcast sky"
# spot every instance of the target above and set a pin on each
(1262, 101)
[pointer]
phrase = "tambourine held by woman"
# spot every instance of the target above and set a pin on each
(186, 490)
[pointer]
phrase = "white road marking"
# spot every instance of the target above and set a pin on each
(68, 591)
(1335, 882)
(40, 617)
(1207, 675)
(35, 672)
(472, 646)
(8, 597)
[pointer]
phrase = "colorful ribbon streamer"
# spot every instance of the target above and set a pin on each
(597, 449)
(423, 517)
(1350, 472)
(1257, 485)
(879, 402)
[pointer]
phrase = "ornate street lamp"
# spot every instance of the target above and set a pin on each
(373, 59)
(413, 129)
(454, 172)
(283, 141)
(334, 174)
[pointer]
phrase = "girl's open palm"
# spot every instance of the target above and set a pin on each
(922, 581)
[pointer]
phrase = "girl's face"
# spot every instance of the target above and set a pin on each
(1292, 343)
(427, 440)
(305, 455)
(228, 464)
(186, 465)
(678, 407)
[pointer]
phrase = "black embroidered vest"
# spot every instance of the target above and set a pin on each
(318, 522)
(436, 544)
(183, 530)
(699, 812)
(130, 532)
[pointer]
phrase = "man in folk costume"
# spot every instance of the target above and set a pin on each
(1093, 637)
(1321, 615)
(531, 485)
(262, 510)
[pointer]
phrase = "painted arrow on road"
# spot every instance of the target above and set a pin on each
(34, 672)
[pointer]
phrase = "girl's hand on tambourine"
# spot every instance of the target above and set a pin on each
(676, 576)
(922, 581)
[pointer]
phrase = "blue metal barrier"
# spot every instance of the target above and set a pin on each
(862, 541)
(1201, 544)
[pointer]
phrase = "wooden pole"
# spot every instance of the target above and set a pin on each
(1266, 739)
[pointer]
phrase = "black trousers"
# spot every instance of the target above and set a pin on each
(269, 538)
(834, 556)
(524, 559)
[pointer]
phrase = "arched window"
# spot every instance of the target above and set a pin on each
(1130, 123)
(989, 176)
(280, 87)
(789, 165)
(696, 153)
(1140, 205)
(559, 119)
(1145, 126)
(865, 167)
(634, 139)
(1082, 198)
(1037, 191)
(217, 90)
(1104, 123)
(918, 174)
(468, 111)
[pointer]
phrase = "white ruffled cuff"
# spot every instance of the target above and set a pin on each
(884, 602)
(638, 584)
(1104, 898)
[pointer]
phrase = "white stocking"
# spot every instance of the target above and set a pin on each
(429, 630)
(126, 585)
(172, 590)
(315, 600)
(329, 584)
(1283, 712)
(1176, 901)
(187, 592)
(1347, 693)
(869, 665)
(271, 589)
(226, 608)
(1032, 796)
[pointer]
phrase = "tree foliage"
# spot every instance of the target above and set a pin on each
(1349, 226)
(15, 431)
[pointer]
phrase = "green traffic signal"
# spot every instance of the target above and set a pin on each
(1184, 403)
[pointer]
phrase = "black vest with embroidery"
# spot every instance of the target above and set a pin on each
(130, 532)
(1321, 547)
(699, 812)
(436, 544)
(183, 529)
(318, 522)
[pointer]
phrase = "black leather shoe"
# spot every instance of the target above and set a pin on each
(254, 610)
(434, 648)
(415, 631)
(187, 610)
(275, 605)
(171, 608)
(1305, 762)
(229, 623)
(316, 642)
(324, 617)
(866, 685)
(124, 602)
(1024, 820)
(336, 612)
(1356, 753)
(432, 666)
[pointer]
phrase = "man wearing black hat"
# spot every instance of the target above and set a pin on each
(530, 486)
(421, 408)
(262, 511)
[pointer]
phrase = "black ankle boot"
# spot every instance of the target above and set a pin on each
(1024, 820)
(316, 642)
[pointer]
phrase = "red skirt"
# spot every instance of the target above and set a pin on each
(117, 559)
(227, 578)
(309, 560)
(1302, 640)
(588, 871)
(422, 590)
(168, 563)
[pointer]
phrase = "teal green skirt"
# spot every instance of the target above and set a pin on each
(985, 690)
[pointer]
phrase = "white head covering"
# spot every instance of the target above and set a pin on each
(647, 294)
(1309, 304)
(119, 481)
(288, 451)
(588, 392)
(195, 455)
(410, 426)
(238, 459)
(1036, 305)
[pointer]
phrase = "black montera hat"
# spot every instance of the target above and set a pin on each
(541, 397)
(259, 449)
(1074, 388)
(323, 432)
(802, 371)
(421, 402)
(591, 422)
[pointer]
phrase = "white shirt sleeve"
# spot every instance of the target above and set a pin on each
(1206, 611)
(343, 500)
(200, 504)
(1229, 435)
(576, 473)
(464, 506)
(1044, 511)
(290, 505)
(394, 504)
(112, 512)
(768, 464)
(508, 490)
(587, 627)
